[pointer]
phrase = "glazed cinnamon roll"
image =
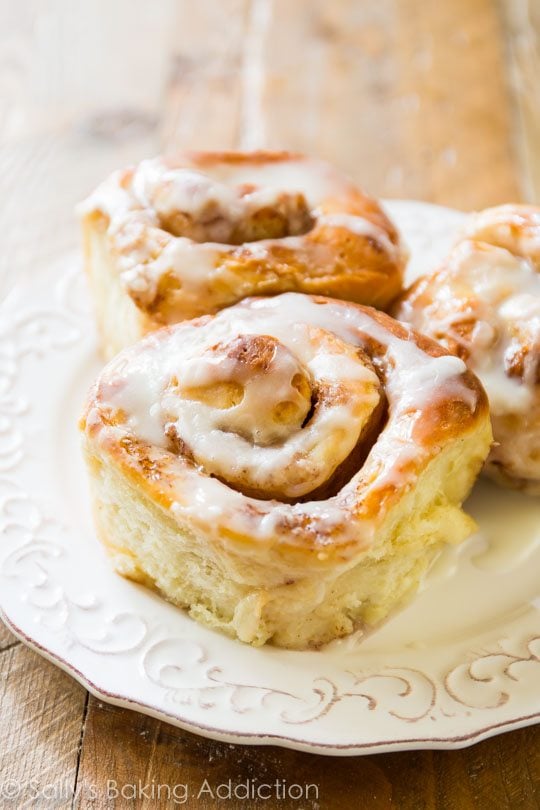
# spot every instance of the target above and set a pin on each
(484, 305)
(172, 239)
(286, 469)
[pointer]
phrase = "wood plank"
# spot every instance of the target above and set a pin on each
(398, 94)
(67, 127)
(40, 728)
(203, 95)
(460, 141)
(522, 18)
(176, 85)
(488, 775)
(62, 65)
(502, 772)
(7, 639)
(159, 753)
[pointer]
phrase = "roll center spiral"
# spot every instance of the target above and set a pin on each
(274, 413)
(188, 203)
(262, 389)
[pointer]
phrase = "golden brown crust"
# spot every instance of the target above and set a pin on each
(483, 305)
(342, 244)
(436, 424)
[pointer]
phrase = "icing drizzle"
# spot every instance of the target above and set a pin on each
(255, 408)
(176, 229)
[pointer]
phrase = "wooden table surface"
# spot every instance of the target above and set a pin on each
(430, 100)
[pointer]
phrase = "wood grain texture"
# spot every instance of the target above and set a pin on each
(82, 92)
(42, 711)
(395, 93)
(119, 748)
(203, 94)
(522, 22)
(499, 773)
(430, 100)
(7, 639)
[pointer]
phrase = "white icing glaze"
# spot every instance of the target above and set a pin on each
(243, 441)
(210, 201)
(316, 340)
(312, 178)
(506, 284)
(499, 292)
(216, 198)
(509, 534)
(514, 227)
(491, 281)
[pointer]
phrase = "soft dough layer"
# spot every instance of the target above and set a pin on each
(395, 435)
(172, 239)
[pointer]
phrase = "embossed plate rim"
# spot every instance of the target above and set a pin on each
(294, 743)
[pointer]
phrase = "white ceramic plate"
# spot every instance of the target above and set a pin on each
(460, 663)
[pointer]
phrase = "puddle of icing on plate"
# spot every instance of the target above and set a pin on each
(470, 587)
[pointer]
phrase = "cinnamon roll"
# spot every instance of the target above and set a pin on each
(176, 238)
(483, 304)
(286, 469)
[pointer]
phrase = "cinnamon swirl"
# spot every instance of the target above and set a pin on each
(483, 304)
(172, 239)
(286, 469)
